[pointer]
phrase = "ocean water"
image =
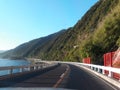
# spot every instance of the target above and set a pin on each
(6, 62)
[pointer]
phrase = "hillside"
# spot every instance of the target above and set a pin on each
(95, 34)
(27, 48)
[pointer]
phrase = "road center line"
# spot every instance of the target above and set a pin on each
(61, 77)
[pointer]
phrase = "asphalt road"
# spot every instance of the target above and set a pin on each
(81, 79)
(50, 77)
(61, 76)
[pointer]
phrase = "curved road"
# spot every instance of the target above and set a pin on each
(61, 76)
(81, 79)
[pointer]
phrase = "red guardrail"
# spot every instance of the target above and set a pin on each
(109, 60)
(87, 60)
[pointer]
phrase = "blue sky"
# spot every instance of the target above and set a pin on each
(24, 20)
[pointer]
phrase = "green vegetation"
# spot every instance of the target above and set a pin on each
(96, 33)
(105, 38)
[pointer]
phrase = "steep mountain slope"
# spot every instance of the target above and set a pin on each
(70, 46)
(96, 33)
(25, 49)
(105, 37)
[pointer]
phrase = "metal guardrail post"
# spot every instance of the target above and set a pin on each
(36, 67)
(110, 74)
(31, 68)
(21, 69)
(91, 67)
(11, 70)
(103, 71)
(41, 66)
(98, 70)
(28, 68)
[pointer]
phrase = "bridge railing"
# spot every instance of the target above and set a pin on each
(99, 68)
(10, 70)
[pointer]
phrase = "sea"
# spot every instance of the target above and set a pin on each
(7, 62)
